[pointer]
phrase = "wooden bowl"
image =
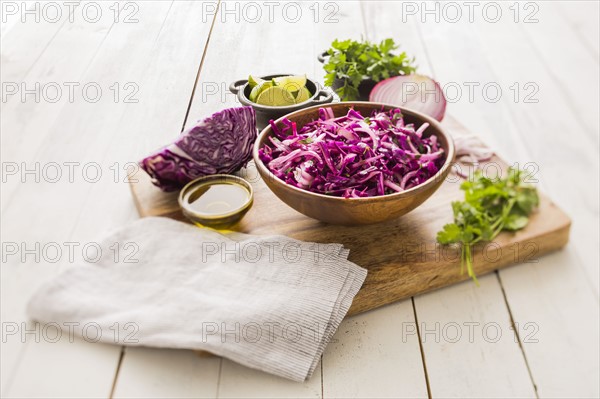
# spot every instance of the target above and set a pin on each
(355, 211)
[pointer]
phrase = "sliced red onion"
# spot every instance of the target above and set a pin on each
(471, 149)
(416, 92)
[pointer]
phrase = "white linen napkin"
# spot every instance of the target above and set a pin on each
(267, 302)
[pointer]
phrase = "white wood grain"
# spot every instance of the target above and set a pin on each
(71, 139)
(375, 354)
(559, 331)
(584, 20)
(64, 369)
(566, 284)
(470, 349)
(53, 65)
(164, 373)
(346, 23)
(12, 18)
(26, 124)
(560, 50)
(238, 381)
(580, 92)
(568, 162)
(166, 91)
(26, 39)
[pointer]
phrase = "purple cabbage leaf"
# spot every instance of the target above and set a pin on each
(219, 144)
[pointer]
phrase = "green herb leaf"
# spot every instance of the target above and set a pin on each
(449, 234)
(490, 206)
(353, 61)
(515, 222)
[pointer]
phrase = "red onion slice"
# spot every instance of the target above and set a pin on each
(471, 149)
(416, 92)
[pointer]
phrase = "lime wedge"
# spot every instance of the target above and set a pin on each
(302, 95)
(253, 81)
(292, 84)
(275, 97)
(259, 89)
(254, 93)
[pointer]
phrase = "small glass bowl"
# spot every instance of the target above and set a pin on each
(220, 220)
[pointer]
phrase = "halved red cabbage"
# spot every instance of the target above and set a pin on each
(221, 143)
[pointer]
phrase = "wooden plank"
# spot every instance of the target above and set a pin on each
(468, 344)
(238, 381)
(558, 318)
(64, 369)
(24, 135)
(565, 308)
(352, 362)
(553, 34)
(138, 133)
(164, 373)
(533, 123)
(545, 40)
(16, 281)
(584, 20)
(12, 17)
(28, 38)
(74, 138)
(556, 166)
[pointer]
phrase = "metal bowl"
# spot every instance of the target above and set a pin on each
(265, 113)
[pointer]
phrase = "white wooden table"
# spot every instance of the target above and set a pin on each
(161, 65)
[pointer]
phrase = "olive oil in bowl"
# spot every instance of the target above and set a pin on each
(217, 201)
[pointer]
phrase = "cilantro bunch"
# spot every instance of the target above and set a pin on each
(353, 61)
(490, 206)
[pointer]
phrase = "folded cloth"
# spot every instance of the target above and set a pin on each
(267, 302)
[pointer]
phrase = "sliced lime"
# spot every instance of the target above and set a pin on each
(303, 95)
(254, 93)
(275, 97)
(254, 81)
(259, 89)
(292, 84)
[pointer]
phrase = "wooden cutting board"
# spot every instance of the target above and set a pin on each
(402, 256)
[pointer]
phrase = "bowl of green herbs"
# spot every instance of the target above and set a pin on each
(354, 67)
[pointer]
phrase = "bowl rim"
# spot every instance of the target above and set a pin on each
(223, 178)
(441, 173)
(289, 108)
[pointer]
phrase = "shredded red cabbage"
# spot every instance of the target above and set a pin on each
(352, 156)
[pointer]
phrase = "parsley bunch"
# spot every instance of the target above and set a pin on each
(353, 61)
(490, 206)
